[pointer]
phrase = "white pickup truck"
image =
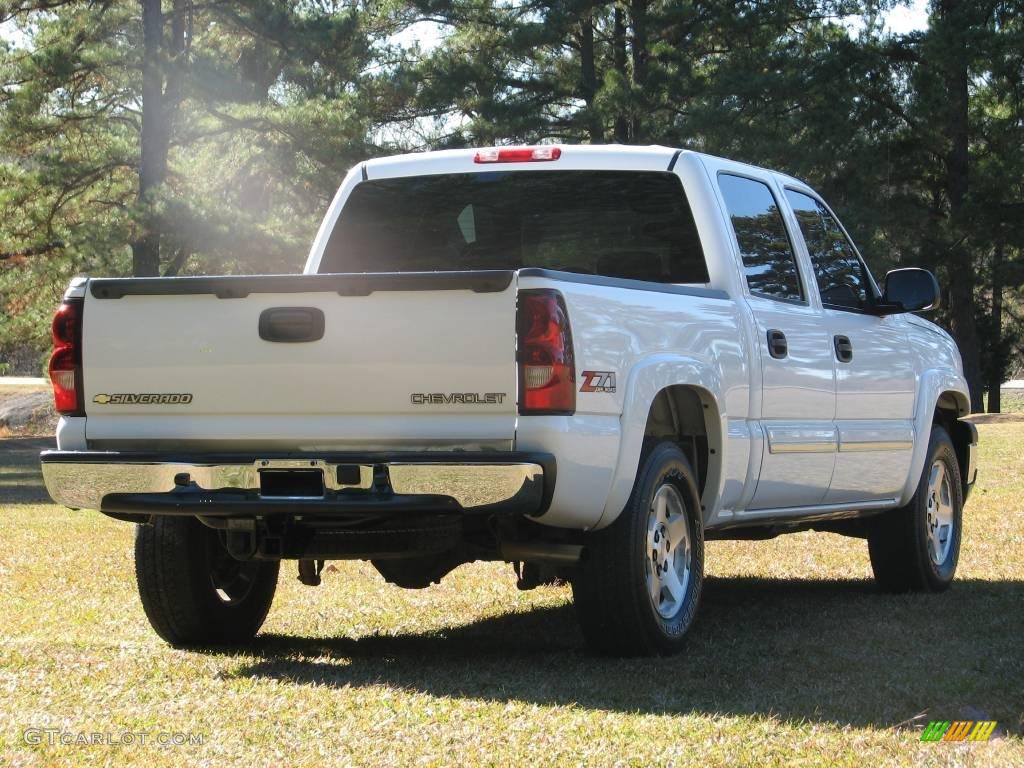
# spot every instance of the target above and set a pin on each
(584, 361)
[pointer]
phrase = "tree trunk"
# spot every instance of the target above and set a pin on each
(997, 370)
(619, 61)
(588, 78)
(158, 109)
(146, 250)
(963, 323)
(639, 50)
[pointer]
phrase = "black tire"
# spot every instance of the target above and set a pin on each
(904, 557)
(614, 604)
(194, 593)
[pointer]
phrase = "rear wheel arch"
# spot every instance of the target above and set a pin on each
(674, 398)
(688, 416)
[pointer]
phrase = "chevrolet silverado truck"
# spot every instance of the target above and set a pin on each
(585, 361)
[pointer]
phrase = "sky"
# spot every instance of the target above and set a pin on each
(903, 19)
(898, 21)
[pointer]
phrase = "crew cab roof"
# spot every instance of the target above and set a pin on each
(574, 157)
(610, 157)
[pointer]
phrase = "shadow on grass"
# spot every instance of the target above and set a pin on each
(21, 479)
(829, 651)
(817, 650)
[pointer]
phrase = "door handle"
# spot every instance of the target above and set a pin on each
(844, 349)
(777, 345)
(291, 324)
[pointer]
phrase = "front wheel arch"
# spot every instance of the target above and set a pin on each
(941, 401)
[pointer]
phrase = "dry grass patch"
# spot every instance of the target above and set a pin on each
(796, 659)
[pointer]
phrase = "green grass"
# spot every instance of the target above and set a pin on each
(795, 658)
(1010, 401)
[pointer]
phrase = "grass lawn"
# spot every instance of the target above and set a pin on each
(795, 659)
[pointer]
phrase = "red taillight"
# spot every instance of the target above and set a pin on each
(517, 155)
(66, 360)
(547, 370)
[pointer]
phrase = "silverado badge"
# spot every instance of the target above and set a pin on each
(145, 398)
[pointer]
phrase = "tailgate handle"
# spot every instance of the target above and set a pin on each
(291, 324)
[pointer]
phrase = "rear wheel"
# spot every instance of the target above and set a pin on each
(639, 584)
(193, 591)
(916, 547)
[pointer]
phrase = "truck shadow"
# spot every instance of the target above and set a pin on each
(21, 478)
(828, 651)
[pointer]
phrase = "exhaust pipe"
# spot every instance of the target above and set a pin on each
(540, 552)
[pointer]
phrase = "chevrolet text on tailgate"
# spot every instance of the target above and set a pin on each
(584, 361)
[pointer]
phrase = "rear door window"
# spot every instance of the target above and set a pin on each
(625, 224)
(768, 258)
(842, 277)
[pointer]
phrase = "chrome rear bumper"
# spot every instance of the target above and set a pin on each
(222, 485)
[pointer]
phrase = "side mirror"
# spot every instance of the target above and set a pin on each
(909, 290)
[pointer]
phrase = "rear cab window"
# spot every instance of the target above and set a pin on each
(623, 224)
(769, 261)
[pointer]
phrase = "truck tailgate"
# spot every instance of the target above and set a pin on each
(413, 360)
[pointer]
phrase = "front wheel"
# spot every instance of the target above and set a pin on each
(638, 586)
(193, 591)
(916, 548)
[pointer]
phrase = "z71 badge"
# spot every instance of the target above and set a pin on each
(144, 398)
(598, 381)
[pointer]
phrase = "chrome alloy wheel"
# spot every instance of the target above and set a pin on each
(668, 558)
(940, 518)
